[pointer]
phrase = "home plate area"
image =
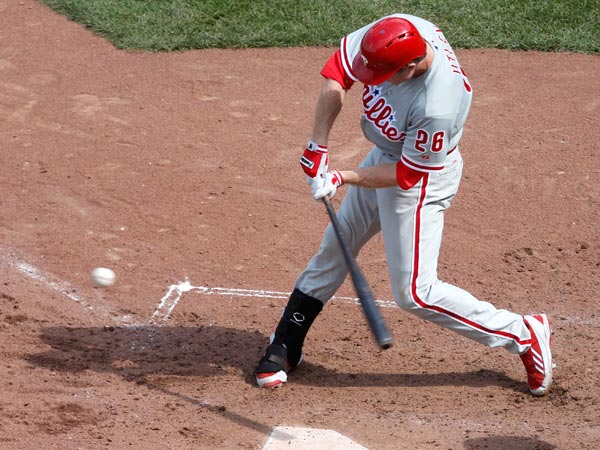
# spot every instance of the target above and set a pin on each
(293, 438)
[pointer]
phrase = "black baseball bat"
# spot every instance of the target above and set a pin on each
(365, 295)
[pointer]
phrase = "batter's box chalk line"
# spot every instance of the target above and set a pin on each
(167, 304)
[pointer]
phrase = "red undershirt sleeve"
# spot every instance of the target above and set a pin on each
(334, 70)
(406, 176)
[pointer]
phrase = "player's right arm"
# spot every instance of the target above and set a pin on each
(315, 159)
(328, 108)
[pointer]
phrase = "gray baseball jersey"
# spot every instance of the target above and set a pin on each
(421, 119)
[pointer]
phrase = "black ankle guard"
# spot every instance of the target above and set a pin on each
(298, 316)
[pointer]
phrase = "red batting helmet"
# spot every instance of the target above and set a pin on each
(388, 46)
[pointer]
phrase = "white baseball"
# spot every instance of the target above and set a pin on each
(103, 277)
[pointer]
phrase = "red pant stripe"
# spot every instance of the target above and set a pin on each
(438, 309)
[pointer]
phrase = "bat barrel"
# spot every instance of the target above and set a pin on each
(367, 300)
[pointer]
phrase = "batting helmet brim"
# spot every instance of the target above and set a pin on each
(370, 76)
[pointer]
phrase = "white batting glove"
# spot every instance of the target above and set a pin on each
(316, 183)
(333, 180)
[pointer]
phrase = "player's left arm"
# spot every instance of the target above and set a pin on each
(380, 176)
(427, 144)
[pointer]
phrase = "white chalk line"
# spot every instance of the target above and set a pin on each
(173, 296)
(62, 287)
(167, 304)
(35, 274)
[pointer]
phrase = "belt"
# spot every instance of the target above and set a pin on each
(397, 157)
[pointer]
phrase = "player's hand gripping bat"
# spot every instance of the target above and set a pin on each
(365, 295)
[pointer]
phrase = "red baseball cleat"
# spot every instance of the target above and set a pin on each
(538, 359)
(273, 367)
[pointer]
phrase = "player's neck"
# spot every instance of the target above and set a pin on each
(424, 65)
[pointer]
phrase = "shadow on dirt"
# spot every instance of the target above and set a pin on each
(135, 353)
(507, 442)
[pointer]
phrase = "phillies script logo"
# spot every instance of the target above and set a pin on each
(380, 113)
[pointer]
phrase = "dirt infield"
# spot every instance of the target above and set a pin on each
(182, 167)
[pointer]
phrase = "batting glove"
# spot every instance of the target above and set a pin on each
(314, 160)
(333, 180)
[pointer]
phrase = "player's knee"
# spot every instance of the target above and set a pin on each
(408, 297)
(403, 297)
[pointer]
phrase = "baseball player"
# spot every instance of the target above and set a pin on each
(416, 99)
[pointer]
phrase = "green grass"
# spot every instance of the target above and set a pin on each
(166, 25)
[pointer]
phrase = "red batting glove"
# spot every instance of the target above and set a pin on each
(314, 160)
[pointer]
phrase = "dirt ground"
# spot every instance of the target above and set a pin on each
(182, 167)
